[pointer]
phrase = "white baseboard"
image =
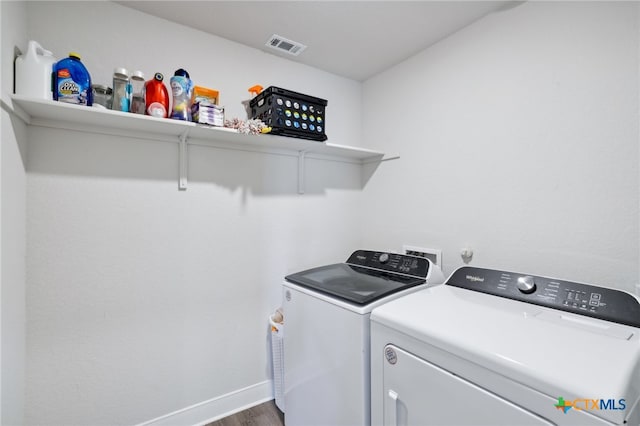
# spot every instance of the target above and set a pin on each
(216, 408)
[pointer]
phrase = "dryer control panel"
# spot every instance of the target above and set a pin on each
(583, 299)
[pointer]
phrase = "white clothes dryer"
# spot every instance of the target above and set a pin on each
(501, 348)
(326, 346)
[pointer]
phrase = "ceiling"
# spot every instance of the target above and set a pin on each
(354, 39)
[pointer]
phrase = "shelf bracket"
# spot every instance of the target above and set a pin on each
(182, 181)
(301, 159)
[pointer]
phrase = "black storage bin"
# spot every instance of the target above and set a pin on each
(290, 113)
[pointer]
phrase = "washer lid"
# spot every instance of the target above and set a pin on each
(557, 353)
(366, 276)
(355, 284)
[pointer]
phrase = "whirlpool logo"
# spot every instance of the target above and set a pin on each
(590, 404)
(474, 278)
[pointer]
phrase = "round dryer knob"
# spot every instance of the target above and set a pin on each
(526, 284)
(384, 258)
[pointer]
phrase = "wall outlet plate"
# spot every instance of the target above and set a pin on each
(434, 255)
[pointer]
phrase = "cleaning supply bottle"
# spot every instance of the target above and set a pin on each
(72, 82)
(33, 72)
(121, 90)
(181, 89)
(156, 97)
(137, 96)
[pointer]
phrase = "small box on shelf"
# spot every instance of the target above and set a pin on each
(207, 113)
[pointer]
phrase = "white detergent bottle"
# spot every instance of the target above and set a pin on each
(33, 72)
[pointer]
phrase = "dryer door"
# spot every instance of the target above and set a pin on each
(420, 393)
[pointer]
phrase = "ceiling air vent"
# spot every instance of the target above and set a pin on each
(285, 45)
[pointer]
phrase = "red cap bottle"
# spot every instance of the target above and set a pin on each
(157, 97)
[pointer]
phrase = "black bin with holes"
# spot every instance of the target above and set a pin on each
(290, 113)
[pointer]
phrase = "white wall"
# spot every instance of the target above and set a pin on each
(143, 299)
(12, 226)
(519, 138)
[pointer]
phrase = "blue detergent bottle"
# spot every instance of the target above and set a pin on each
(181, 86)
(72, 82)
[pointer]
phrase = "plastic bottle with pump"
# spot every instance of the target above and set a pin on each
(71, 81)
(156, 97)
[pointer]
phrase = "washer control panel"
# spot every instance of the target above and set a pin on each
(392, 262)
(597, 302)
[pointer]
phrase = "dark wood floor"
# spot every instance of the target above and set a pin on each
(266, 414)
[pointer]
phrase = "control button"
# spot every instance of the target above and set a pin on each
(595, 296)
(526, 284)
(593, 309)
(594, 303)
(384, 258)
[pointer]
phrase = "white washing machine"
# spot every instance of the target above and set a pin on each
(501, 348)
(326, 346)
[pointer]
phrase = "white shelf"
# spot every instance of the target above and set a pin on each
(39, 112)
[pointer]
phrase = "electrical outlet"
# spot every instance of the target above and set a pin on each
(434, 255)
